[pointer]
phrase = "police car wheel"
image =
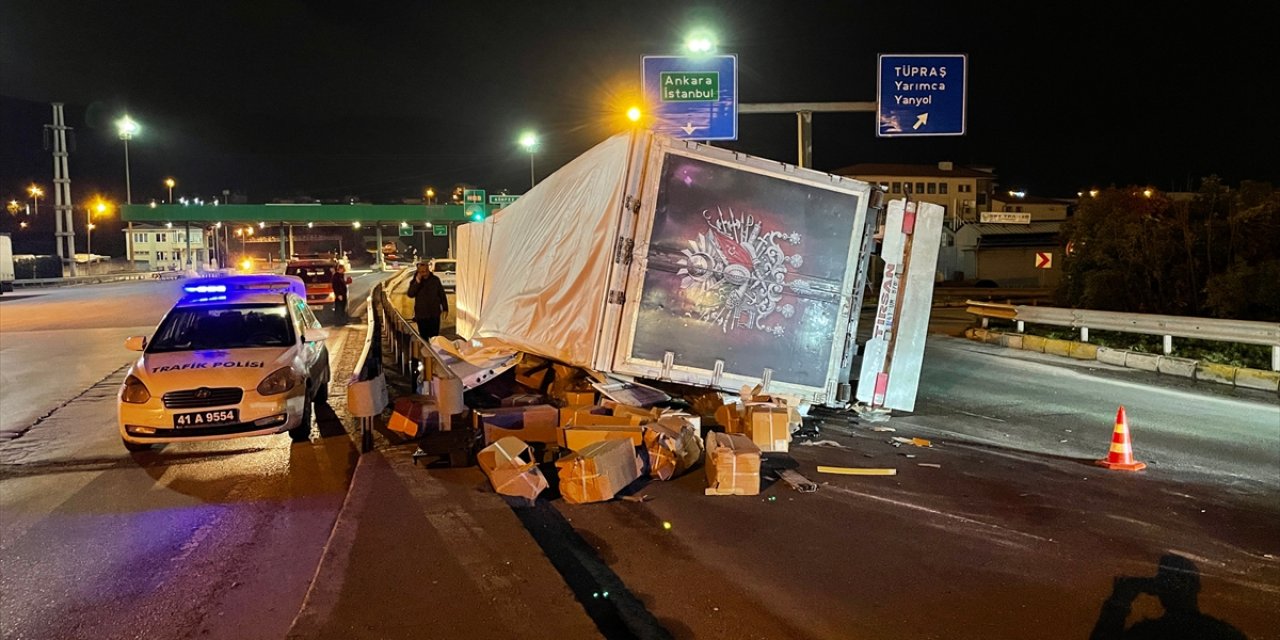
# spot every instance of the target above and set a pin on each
(135, 447)
(302, 432)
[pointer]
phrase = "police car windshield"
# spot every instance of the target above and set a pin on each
(238, 326)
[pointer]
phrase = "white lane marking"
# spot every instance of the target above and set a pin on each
(978, 415)
(935, 512)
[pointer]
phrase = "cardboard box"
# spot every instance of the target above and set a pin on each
(674, 447)
(733, 465)
(579, 398)
(413, 415)
(729, 416)
(576, 438)
(648, 415)
(509, 465)
(769, 427)
(523, 400)
(567, 413)
(536, 423)
(598, 472)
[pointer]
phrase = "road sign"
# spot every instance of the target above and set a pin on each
(1044, 260)
(439, 230)
(406, 230)
(693, 97)
(921, 95)
(502, 199)
(473, 204)
(1004, 217)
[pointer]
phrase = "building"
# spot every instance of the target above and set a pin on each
(962, 191)
(1040, 209)
(1010, 255)
(168, 248)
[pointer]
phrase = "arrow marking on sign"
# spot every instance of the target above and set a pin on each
(921, 120)
(688, 128)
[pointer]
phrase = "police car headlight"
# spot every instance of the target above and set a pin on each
(135, 392)
(280, 381)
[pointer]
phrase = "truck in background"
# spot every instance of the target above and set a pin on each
(662, 259)
(6, 263)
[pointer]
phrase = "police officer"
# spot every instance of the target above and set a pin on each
(340, 280)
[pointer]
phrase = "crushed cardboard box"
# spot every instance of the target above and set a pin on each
(523, 400)
(535, 423)
(509, 465)
(598, 472)
(640, 412)
(413, 415)
(585, 428)
(729, 417)
(733, 465)
(674, 446)
(567, 413)
(579, 398)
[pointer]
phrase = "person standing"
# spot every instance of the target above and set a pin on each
(429, 301)
(339, 280)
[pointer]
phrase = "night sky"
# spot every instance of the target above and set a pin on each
(275, 98)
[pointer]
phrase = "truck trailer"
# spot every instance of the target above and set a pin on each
(650, 257)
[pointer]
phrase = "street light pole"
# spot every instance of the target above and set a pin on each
(88, 239)
(529, 140)
(126, 127)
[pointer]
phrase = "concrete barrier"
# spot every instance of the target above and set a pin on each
(1181, 367)
(1084, 351)
(1056, 347)
(1258, 379)
(1012, 340)
(1112, 356)
(1142, 361)
(1214, 372)
(1033, 343)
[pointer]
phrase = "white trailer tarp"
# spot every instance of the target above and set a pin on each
(546, 293)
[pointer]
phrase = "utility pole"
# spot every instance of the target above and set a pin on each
(804, 120)
(64, 235)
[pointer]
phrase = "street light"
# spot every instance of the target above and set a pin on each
(700, 42)
(529, 140)
(431, 195)
(99, 207)
(171, 183)
(36, 193)
(126, 127)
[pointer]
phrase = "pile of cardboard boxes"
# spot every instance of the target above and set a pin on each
(600, 446)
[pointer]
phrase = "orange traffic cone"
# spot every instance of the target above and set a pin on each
(1121, 454)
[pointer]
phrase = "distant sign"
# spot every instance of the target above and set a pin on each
(406, 230)
(502, 199)
(439, 230)
(921, 95)
(1004, 217)
(694, 97)
(1044, 260)
(473, 204)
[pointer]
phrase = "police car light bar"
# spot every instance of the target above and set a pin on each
(205, 288)
(249, 284)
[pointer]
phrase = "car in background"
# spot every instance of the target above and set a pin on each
(235, 356)
(447, 270)
(317, 274)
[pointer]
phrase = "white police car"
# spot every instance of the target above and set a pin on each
(236, 356)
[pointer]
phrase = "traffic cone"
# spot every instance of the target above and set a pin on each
(1121, 454)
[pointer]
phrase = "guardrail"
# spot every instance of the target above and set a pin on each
(368, 367)
(1006, 294)
(1169, 327)
(68, 281)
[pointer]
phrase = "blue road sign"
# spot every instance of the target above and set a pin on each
(693, 97)
(921, 95)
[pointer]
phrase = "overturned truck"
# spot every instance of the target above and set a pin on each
(649, 257)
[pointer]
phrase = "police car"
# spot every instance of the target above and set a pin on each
(236, 356)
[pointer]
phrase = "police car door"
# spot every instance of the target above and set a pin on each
(313, 351)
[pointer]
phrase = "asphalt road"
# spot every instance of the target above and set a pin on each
(212, 540)
(1010, 533)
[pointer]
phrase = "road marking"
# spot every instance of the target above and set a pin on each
(931, 511)
(976, 415)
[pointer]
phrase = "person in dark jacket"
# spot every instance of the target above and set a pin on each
(340, 280)
(429, 301)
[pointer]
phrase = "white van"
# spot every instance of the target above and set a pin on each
(447, 270)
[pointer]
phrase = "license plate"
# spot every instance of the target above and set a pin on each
(207, 418)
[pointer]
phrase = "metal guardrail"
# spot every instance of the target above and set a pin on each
(368, 367)
(1007, 294)
(1169, 327)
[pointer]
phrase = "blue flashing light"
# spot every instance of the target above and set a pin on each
(208, 299)
(236, 285)
(205, 288)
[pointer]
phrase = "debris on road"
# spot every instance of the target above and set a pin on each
(674, 446)
(732, 464)
(510, 467)
(929, 464)
(599, 471)
(797, 481)
(823, 443)
(857, 471)
(918, 442)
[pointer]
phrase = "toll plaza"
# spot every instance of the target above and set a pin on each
(431, 227)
